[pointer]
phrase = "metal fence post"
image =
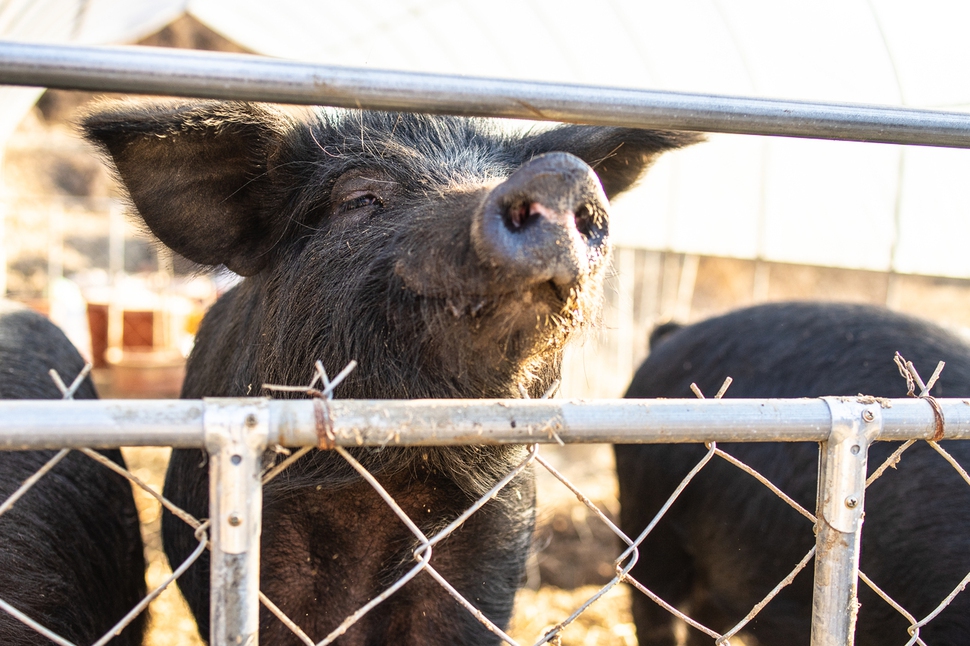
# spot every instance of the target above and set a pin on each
(235, 437)
(841, 496)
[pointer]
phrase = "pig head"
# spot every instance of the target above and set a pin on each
(447, 256)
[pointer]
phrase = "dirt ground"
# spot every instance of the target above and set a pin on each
(170, 623)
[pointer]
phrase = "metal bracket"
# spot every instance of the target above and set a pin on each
(841, 498)
(235, 437)
(842, 484)
(236, 434)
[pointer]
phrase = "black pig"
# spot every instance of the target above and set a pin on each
(448, 258)
(728, 540)
(70, 549)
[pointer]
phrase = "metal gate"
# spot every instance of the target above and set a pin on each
(236, 432)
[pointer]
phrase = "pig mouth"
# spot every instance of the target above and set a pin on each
(548, 297)
(506, 303)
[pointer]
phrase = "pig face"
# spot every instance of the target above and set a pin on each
(457, 255)
(447, 257)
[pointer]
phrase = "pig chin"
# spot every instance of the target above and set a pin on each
(500, 341)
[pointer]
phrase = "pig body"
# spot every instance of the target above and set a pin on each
(448, 258)
(729, 540)
(70, 548)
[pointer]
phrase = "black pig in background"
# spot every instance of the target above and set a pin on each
(70, 549)
(448, 258)
(728, 540)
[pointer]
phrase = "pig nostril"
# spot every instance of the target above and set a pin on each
(518, 215)
(584, 220)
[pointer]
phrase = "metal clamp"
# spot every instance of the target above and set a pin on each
(236, 433)
(841, 498)
(235, 437)
(842, 482)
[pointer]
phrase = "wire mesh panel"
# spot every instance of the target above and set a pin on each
(852, 423)
(11, 500)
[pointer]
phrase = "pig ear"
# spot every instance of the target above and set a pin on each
(199, 175)
(618, 155)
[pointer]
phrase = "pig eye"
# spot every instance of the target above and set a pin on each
(359, 200)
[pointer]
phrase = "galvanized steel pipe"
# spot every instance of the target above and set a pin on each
(840, 507)
(179, 423)
(145, 70)
(235, 437)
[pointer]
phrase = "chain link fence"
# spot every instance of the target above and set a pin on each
(229, 428)
(237, 432)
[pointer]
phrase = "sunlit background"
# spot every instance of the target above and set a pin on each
(734, 221)
(731, 222)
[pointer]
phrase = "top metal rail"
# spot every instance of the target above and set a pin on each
(346, 422)
(146, 70)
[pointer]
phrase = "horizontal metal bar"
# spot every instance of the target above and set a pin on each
(179, 423)
(146, 70)
(101, 424)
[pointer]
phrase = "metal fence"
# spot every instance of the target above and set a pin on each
(236, 432)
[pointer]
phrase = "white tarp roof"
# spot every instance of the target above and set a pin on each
(830, 203)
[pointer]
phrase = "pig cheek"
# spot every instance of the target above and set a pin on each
(445, 271)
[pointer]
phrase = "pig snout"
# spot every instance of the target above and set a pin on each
(547, 222)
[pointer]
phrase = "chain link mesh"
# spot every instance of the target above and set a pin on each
(622, 564)
(913, 380)
(200, 527)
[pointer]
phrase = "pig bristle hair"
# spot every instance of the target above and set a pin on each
(360, 235)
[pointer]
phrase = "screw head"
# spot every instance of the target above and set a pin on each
(235, 519)
(851, 502)
(868, 415)
(251, 420)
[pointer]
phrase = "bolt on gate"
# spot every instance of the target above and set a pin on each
(236, 432)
